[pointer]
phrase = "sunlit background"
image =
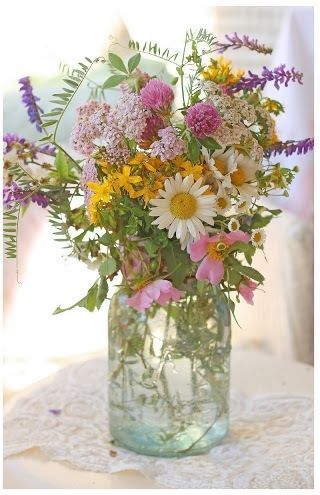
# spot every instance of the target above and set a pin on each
(38, 343)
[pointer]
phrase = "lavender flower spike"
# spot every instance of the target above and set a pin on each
(30, 102)
(290, 147)
(236, 42)
(279, 75)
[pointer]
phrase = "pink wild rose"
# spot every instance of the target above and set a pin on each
(159, 291)
(203, 119)
(246, 289)
(211, 251)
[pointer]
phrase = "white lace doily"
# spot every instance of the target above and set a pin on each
(270, 444)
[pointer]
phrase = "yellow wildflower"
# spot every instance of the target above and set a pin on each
(149, 191)
(149, 162)
(101, 191)
(220, 72)
(92, 211)
(125, 180)
(187, 168)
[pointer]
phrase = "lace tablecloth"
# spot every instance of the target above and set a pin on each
(270, 444)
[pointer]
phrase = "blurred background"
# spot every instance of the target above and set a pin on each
(36, 343)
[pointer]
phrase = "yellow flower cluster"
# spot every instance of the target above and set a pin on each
(220, 72)
(142, 177)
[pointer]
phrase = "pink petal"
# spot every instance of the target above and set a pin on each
(198, 249)
(210, 270)
(251, 284)
(233, 237)
(139, 301)
(246, 293)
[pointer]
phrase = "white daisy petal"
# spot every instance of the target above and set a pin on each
(179, 229)
(184, 230)
(199, 225)
(200, 191)
(196, 186)
(206, 219)
(166, 220)
(158, 202)
(173, 228)
(191, 228)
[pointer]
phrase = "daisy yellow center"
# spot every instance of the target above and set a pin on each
(183, 205)
(222, 202)
(221, 166)
(238, 177)
(257, 237)
(234, 226)
(216, 250)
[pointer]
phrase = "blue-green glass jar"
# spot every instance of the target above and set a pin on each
(169, 374)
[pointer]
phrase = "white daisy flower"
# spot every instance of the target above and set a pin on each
(245, 173)
(183, 208)
(234, 225)
(221, 163)
(258, 237)
(222, 202)
(243, 204)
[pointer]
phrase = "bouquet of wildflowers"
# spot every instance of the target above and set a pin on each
(165, 186)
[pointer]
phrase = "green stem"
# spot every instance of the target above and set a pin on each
(181, 68)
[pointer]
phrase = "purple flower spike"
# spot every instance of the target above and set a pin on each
(290, 147)
(236, 42)
(30, 102)
(15, 194)
(279, 75)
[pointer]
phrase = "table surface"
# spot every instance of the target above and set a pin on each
(253, 373)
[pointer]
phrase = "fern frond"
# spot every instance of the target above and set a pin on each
(150, 48)
(73, 80)
(202, 36)
(10, 230)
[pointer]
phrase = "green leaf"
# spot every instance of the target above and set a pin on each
(117, 62)
(248, 271)
(243, 247)
(71, 83)
(102, 292)
(174, 81)
(210, 143)
(258, 221)
(62, 165)
(113, 81)
(151, 248)
(234, 278)
(134, 62)
(108, 267)
(194, 150)
(88, 302)
(177, 261)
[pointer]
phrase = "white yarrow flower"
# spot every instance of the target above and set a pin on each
(183, 208)
(258, 237)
